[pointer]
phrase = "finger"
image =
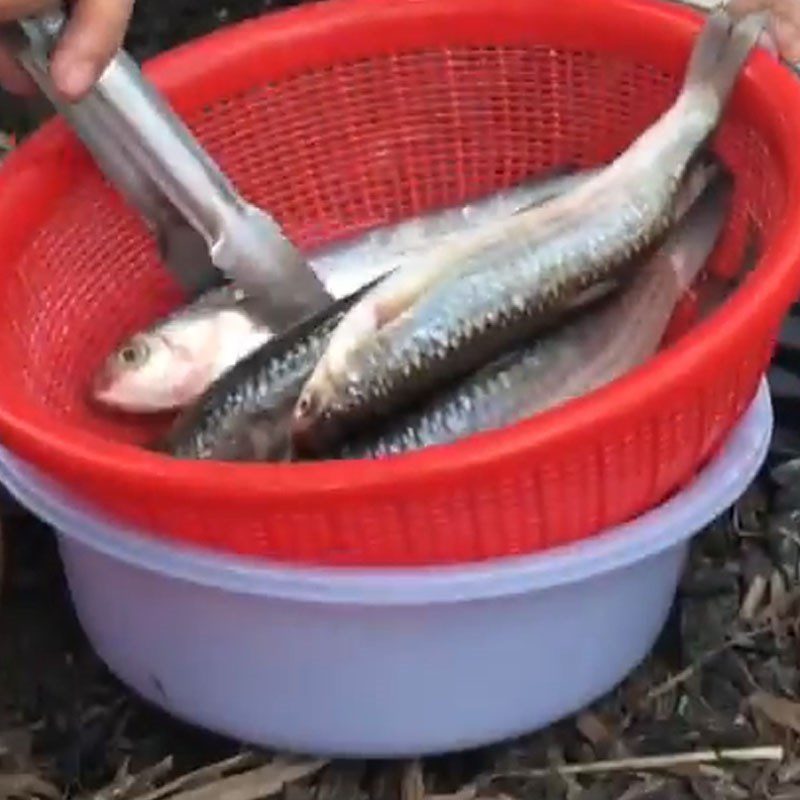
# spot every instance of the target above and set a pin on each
(14, 9)
(769, 42)
(741, 8)
(789, 42)
(94, 33)
(767, 38)
(12, 77)
(782, 35)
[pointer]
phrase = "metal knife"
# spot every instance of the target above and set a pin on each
(206, 232)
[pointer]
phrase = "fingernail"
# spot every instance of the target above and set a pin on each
(75, 78)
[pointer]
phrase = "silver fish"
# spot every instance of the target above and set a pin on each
(595, 348)
(169, 365)
(244, 415)
(352, 263)
(467, 301)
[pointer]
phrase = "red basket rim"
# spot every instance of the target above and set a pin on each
(333, 28)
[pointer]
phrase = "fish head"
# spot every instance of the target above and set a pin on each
(148, 373)
(325, 397)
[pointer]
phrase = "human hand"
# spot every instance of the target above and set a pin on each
(784, 22)
(93, 34)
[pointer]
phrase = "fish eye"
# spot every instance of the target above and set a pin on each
(134, 353)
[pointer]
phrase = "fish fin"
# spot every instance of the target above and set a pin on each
(720, 52)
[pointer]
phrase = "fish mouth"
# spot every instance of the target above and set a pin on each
(101, 384)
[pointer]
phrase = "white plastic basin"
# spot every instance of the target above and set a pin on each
(385, 663)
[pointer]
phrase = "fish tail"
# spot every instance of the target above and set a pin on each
(720, 52)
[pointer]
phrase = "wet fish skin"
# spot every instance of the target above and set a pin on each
(171, 363)
(244, 415)
(349, 264)
(478, 296)
(596, 347)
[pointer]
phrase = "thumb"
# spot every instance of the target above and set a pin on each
(93, 35)
(740, 8)
(769, 38)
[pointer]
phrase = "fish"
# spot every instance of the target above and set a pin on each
(349, 264)
(244, 415)
(169, 365)
(479, 295)
(596, 347)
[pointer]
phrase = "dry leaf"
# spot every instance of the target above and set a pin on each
(257, 783)
(126, 785)
(593, 729)
(22, 785)
(642, 789)
(413, 785)
(15, 743)
(150, 776)
(754, 597)
(297, 791)
(664, 761)
(789, 773)
(780, 711)
(208, 774)
(341, 781)
(469, 792)
(788, 794)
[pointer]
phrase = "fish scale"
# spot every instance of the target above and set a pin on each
(251, 398)
(578, 357)
(394, 360)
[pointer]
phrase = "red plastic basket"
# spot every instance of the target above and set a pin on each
(350, 113)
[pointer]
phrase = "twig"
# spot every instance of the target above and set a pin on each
(25, 785)
(412, 786)
(256, 784)
(641, 789)
(125, 784)
(645, 763)
(778, 608)
(681, 677)
(753, 598)
(198, 777)
(468, 792)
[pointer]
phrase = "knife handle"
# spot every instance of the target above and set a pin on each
(32, 41)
